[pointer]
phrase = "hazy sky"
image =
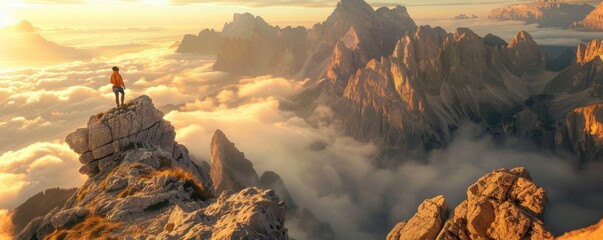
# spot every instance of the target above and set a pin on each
(208, 13)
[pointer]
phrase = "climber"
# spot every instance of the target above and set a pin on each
(118, 86)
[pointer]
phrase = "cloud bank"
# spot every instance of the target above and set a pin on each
(35, 168)
(334, 176)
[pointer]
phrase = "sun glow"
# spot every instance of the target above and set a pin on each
(156, 2)
(5, 19)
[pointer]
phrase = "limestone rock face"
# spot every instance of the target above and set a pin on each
(147, 187)
(592, 22)
(137, 124)
(503, 204)
(586, 73)
(587, 53)
(230, 169)
(543, 13)
(584, 132)
(430, 217)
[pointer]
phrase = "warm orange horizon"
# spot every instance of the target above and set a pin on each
(206, 14)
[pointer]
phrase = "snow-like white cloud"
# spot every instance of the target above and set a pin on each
(35, 168)
(335, 176)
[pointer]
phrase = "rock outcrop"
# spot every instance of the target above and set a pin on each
(543, 13)
(503, 204)
(231, 171)
(592, 22)
(144, 185)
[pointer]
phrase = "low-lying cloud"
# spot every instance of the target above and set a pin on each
(334, 176)
(35, 168)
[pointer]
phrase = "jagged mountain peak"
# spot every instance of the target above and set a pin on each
(354, 4)
(466, 34)
(589, 52)
(245, 25)
(522, 37)
(230, 169)
(23, 27)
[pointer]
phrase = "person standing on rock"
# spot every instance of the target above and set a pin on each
(118, 86)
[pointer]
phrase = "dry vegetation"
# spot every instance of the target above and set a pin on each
(189, 181)
(93, 227)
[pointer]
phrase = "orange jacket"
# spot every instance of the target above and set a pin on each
(117, 81)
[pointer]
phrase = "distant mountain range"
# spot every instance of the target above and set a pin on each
(22, 45)
(559, 14)
(408, 88)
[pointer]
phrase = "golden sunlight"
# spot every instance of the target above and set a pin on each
(156, 2)
(6, 19)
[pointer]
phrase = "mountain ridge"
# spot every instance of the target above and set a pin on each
(409, 93)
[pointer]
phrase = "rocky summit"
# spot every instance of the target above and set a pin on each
(503, 204)
(143, 185)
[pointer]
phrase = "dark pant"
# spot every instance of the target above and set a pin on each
(118, 90)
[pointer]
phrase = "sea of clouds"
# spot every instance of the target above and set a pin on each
(331, 174)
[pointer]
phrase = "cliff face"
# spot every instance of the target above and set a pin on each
(582, 132)
(143, 184)
(592, 22)
(503, 204)
(583, 78)
(543, 13)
